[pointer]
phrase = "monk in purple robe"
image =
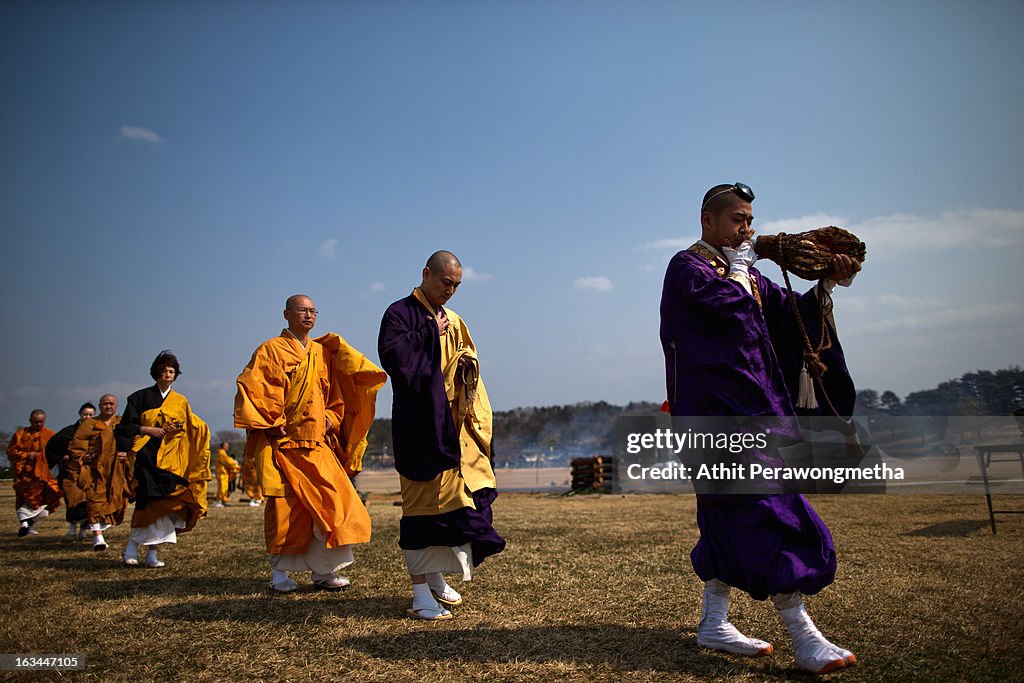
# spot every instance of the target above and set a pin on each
(733, 349)
(441, 426)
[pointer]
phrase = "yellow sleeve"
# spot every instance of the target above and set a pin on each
(260, 395)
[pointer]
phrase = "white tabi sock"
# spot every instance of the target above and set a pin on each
(151, 557)
(278, 577)
(440, 586)
(72, 530)
(423, 601)
(715, 631)
(131, 550)
(811, 650)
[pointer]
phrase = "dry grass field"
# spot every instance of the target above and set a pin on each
(590, 588)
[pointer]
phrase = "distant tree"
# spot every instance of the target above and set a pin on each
(890, 402)
(867, 399)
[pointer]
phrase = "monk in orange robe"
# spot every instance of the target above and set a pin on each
(101, 470)
(227, 469)
(250, 479)
(36, 491)
(307, 406)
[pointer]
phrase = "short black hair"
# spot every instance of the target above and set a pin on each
(164, 359)
(86, 405)
(37, 411)
(717, 198)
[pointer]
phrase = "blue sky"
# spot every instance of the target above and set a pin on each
(171, 172)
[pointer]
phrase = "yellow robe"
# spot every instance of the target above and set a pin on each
(186, 453)
(304, 474)
(227, 469)
(94, 469)
(452, 489)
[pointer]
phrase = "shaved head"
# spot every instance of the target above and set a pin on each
(293, 301)
(440, 260)
(441, 277)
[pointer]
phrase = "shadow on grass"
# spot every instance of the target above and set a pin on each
(73, 561)
(623, 648)
(140, 581)
(304, 607)
(952, 528)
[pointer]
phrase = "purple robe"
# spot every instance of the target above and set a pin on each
(728, 355)
(423, 431)
(425, 439)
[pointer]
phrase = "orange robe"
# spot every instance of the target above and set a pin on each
(250, 476)
(34, 486)
(305, 474)
(227, 469)
(95, 470)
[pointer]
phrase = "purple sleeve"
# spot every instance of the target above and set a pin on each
(409, 348)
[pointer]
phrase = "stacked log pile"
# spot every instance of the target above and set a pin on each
(597, 473)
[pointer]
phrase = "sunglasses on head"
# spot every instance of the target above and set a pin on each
(742, 190)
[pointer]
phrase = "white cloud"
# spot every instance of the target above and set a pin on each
(80, 393)
(1005, 313)
(916, 303)
(596, 283)
(377, 287)
(900, 233)
(471, 275)
(672, 244)
(809, 222)
(328, 248)
(140, 133)
(22, 393)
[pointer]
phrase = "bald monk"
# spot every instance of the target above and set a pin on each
(441, 425)
(169, 447)
(227, 470)
(307, 405)
(102, 470)
(36, 492)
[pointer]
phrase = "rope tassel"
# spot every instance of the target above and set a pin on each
(806, 398)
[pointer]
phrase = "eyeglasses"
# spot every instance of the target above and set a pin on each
(742, 190)
(311, 311)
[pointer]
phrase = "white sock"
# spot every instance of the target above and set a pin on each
(132, 549)
(98, 540)
(422, 599)
(440, 586)
(151, 556)
(811, 650)
(715, 631)
(72, 529)
(278, 577)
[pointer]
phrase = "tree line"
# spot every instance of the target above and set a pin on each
(982, 392)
